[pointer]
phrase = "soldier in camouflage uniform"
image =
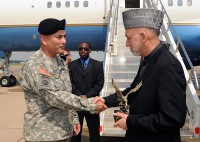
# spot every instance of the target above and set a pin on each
(44, 77)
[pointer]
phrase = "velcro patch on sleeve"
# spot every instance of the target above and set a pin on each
(44, 72)
(44, 82)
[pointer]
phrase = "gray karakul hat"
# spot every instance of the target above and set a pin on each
(50, 26)
(143, 18)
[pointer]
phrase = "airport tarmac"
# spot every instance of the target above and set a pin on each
(12, 108)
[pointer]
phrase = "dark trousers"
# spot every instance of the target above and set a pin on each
(93, 122)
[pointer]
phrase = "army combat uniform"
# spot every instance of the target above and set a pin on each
(51, 106)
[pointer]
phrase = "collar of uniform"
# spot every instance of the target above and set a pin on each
(50, 63)
(48, 60)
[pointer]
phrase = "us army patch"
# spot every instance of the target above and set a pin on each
(44, 82)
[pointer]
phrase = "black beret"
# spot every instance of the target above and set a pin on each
(50, 26)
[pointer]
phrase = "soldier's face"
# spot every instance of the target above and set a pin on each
(56, 43)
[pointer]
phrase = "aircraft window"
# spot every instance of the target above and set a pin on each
(85, 4)
(49, 4)
(170, 2)
(180, 2)
(67, 4)
(76, 3)
(58, 4)
(189, 2)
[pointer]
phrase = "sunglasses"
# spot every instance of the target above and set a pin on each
(83, 48)
(64, 56)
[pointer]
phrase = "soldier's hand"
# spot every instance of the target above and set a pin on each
(101, 107)
(97, 99)
(77, 128)
(121, 122)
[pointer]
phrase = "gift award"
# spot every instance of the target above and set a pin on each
(123, 105)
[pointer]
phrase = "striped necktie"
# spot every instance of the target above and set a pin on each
(84, 65)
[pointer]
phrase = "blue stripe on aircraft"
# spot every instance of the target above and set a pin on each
(23, 38)
(190, 37)
(2, 54)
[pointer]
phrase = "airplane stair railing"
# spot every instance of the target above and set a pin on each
(119, 64)
(108, 50)
(192, 125)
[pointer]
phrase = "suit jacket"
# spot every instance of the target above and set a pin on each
(87, 82)
(158, 109)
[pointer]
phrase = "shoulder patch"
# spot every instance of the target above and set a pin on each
(44, 72)
(44, 82)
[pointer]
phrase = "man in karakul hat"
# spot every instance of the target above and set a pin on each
(158, 106)
(51, 107)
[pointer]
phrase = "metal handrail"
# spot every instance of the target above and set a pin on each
(107, 56)
(108, 42)
(108, 28)
(111, 30)
(179, 41)
(116, 19)
(115, 27)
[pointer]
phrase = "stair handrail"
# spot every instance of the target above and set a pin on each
(115, 27)
(111, 30)
(107, 45)
(106, 58)
(179, 41)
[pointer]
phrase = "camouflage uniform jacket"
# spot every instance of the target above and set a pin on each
(50, 104)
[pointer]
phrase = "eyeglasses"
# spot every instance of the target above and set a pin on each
(83, 48)
(64, 55)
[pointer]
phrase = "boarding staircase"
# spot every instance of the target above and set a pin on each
(122, 66)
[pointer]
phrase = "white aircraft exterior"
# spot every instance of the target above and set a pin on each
(31, 12)
(184, 15)
(86, 21)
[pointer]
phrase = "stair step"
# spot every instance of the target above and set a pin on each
(124, 68)
(124, 60)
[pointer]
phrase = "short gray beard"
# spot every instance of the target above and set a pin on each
(136, 54)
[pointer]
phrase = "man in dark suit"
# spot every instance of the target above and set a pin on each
(87, 79)
(158, 103)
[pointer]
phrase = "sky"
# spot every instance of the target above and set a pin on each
(22, 56)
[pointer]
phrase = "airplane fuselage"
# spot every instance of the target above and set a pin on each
(86, 21)
(184, 15)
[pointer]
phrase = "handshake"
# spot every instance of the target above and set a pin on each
(100, 104)
(120, 116)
